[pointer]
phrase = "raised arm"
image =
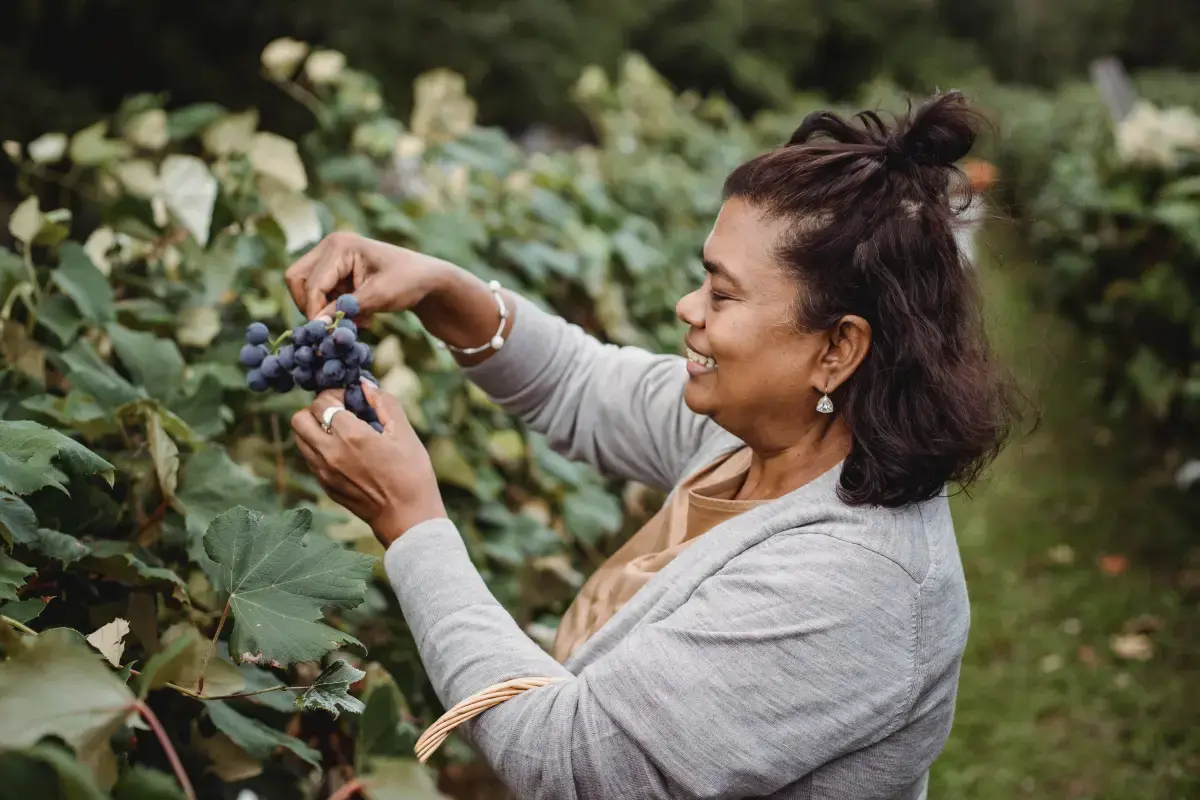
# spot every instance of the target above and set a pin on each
(796, 652)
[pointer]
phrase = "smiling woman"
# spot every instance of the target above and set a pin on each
(791, 622)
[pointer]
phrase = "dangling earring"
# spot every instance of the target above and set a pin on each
(825, 405)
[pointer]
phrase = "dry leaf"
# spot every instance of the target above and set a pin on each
(1132, 646)
(110, 640)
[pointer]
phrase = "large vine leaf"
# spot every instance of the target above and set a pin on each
(153, 362)
(84, 283)
(12, 576)
(278, 583)
(331, 690)
(256, 738)
(57, 685)
(89, 373)
(27, 449)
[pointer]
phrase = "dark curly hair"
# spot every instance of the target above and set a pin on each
(873, 236)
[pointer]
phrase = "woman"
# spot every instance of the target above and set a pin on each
(791, 624)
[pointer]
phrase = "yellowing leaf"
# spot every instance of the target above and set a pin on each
(1132, 646)
(148, 129)
(21, 351)
(232, 133)
(165, 456)
(230, 763)
(189, 189)
(506, 446)
(295, 214)
(278, 584)
(97, 247)
(48, 148)
(323, 66)
(26, 220)
(405, 385)
(198, 326)
(282, 57)
(449, 464)
(277, 158)
(58, 686)
(138, 176)
(182, 659)
(400, 779)
(91, 146)
(110, 640)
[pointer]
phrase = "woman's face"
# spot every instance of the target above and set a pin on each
(760, 378)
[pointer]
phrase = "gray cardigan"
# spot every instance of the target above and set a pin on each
(804, 649)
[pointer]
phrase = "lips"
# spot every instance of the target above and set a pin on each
(698, 359)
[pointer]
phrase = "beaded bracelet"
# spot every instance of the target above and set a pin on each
(497, 341)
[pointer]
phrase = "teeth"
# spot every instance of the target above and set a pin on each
(704, 361)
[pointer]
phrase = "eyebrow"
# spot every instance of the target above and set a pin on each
(718, 270)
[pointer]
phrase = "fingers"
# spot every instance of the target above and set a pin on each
(387, 408)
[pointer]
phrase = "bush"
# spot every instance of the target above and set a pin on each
(146, 244)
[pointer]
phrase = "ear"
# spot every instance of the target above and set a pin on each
(848, 344)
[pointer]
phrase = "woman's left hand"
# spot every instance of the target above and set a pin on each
(386, 479)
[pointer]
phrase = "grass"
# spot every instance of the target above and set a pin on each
(1067, 544)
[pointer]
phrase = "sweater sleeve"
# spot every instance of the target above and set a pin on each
(620, 409)
(798, 651)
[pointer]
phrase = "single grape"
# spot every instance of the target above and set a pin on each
(334, 372)
(348, 324)
(327, 349)
(257, 333)
(365, 356)
(302, 375)
(271, 367)
(344, 338)
(309, 384)
(348, 305)
(369, 415)
(356, 401)
(316, 331)
(350, 357)
(256, 381)
(377, 425)
(303, 356)
(284, 383)
(300, 335)
(287, 357)
(252, 355)
(352, 376)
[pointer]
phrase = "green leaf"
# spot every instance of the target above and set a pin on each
(182, 660)
(212, 483)
(278, 584)
(164, 455)
(200, 405)
(60, 316)
(90, 146)
(330, 691)
(153, 362)
(28, 448)
(128, 568)
(142, 783)
(400, 779)
(23, 610)
(381, 729)
(89, 373)
(58, 686)
(74, 410)
(188, 121)
(17, 520)
(162, 666)
(74, 781)
(12, 576)
(79, 279)
(590, 513)
(60, 546)
(257, 739)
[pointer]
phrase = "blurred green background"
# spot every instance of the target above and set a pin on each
(1081, 551)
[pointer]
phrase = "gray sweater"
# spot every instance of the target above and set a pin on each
(804, 649)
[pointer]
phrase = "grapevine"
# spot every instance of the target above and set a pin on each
(317, 355)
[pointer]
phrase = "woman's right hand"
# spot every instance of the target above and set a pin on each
(383, 277)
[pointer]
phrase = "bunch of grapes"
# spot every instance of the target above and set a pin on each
(314, 356)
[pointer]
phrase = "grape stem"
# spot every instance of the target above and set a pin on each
(278, 341)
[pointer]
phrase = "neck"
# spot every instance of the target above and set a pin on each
(777, 468)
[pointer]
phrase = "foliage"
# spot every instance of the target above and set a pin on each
(190, 512)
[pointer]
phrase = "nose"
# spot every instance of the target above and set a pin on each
(690, 309)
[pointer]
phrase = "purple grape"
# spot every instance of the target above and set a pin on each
(257, 333)
(352, 376)
(300, 336)
(271, 367)
(252, 355)
(287, 357)
(355, 400)
(350, 357)
(348, 324)
(366, 374)
(284, 383)
(327, 349)
(256, 381)
(365, 356)
(303, 356)
(348, 305)
(344, 339)
(302, 375)
(369, 415)
(377, 425)
(316, 331)
(334, 372)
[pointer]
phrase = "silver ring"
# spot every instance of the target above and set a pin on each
(328, 415)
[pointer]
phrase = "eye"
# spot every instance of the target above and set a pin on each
(717, 298)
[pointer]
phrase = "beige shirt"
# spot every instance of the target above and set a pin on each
(701, 503)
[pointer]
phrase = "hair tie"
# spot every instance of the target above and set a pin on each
(894, 154)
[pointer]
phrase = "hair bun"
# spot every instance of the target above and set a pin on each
(939, 133)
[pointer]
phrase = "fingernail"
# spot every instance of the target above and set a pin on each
(325, 318)
(368, 382)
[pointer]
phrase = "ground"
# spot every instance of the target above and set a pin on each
(1069, 555)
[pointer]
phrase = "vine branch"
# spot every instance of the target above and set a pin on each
(165, 741)
(211, 648)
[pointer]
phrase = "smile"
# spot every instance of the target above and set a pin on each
(698, 364)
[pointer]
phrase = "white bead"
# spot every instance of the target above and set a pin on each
(494, 285)
(497, 342)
